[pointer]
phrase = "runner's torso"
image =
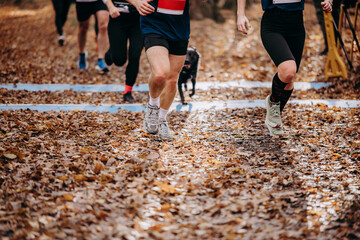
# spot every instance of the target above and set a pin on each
(171, 19)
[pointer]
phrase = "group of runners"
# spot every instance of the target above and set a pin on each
(163, 28)
(117, 22)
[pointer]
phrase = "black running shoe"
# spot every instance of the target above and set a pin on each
(61, 40)
(129, 98)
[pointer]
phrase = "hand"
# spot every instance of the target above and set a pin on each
(327, 6)
(243, 24)
(114, 12)
(143, 7)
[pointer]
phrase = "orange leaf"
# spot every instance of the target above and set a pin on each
(80, 178)
(68, 197)
(98, 167)
(166, 187)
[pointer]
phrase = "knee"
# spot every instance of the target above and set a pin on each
(160, 76)
(172, 83)
(287, 73)
(83, 27)
(103, 22)
(119, 61)
(103, 27)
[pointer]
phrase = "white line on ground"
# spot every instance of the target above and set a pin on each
(194, 106)
(145, 88)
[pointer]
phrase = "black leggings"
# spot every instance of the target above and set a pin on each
(61, 8)
(283, 35)
(121, 30)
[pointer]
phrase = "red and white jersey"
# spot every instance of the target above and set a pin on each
(171, 7)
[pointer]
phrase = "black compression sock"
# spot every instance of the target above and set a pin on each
(284, 98)
(277, 88)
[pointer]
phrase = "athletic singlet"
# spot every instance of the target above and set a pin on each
(171, 19)
(268, 4)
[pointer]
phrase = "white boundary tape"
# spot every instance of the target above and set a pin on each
(193, 106)
(145, 88)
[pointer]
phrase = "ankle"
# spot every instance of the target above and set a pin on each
(154, 101)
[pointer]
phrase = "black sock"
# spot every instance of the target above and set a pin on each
(277, 88)
(284, 98)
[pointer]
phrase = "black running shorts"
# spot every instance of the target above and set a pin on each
(84, 10)
(283, 35)
(174, 47)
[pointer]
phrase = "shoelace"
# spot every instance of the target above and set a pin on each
(165, 129)
(275, 109)
(153, 117)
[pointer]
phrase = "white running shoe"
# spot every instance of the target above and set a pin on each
(273, 117)
(151, 120)
(164, 130)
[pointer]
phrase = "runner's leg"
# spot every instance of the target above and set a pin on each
(59, 9)
(158, 57)
(67, 4)
(296, 45)
(169, 91)
(118, 35)
(82, 34)
(280, 52)
(103, 42)
(136, 42)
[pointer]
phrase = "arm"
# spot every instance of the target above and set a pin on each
(242, 21)
(327, 5)
(113, 11)
(143, 6)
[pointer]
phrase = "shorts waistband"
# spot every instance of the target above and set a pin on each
(282, 11)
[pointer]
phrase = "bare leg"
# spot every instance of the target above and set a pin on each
(82, 34)
(102, 38)
(165, 69)
(169, 92)
(160, 68)
(287, 72)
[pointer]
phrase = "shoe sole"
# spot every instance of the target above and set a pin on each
(271, 131)
(166, 139)
(82, 68)
(101, 70)
(86, 65)
(153, 133)
(132, 100)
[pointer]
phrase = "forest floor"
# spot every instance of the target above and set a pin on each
(98, 175)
